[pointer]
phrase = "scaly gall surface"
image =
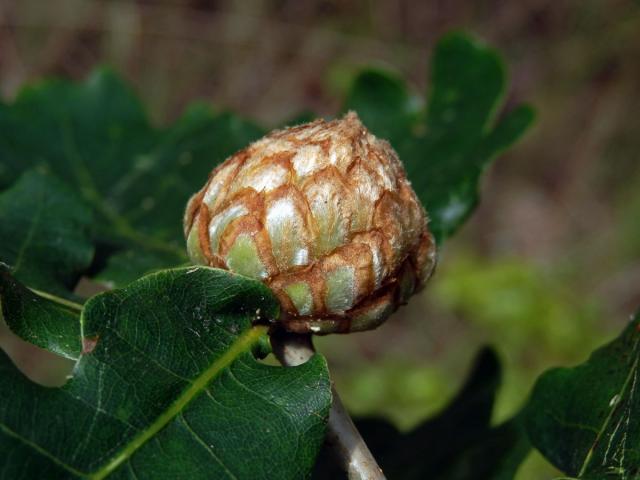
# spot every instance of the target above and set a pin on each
(323, 214)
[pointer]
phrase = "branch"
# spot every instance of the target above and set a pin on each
(293, 349)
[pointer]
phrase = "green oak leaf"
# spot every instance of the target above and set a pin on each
(45, 233)
(586, 419)
(48, 322)
(446, 146)
(136, 178)
(167, 387)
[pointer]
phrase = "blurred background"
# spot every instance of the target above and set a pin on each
(548, 267)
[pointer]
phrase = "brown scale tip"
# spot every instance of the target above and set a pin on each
(322, 213)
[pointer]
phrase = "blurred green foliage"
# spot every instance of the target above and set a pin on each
(629, 223)
(532, 319)
(527, 312)
(405, 392)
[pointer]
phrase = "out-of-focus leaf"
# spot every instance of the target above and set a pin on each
(52, 324)
(586, 419)
(167, 387)
(446, 146)
(459, 443)
(385, 106)
(45, 233)
(497, 456)
(96, 138)
(126, 266)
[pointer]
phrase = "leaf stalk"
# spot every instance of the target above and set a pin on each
(343, 437)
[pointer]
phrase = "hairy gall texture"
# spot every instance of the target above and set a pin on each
(323, 214)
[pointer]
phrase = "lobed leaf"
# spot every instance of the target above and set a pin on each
(45, 233)
(136, 178)
(167, 387)
(586, 419)
(446, 146)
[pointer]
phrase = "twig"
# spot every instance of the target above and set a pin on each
(293, 349)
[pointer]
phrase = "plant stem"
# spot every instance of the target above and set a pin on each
(293, 349)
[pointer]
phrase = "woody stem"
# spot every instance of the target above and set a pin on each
(343, 437)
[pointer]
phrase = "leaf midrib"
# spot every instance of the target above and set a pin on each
(241, 345)
(29, 237)
(607, 420)
(63, 302)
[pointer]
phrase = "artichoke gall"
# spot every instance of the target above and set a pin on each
(324, 215)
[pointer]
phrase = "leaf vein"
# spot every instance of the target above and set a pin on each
(40, 450)
(242, 344)
(208, 448)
